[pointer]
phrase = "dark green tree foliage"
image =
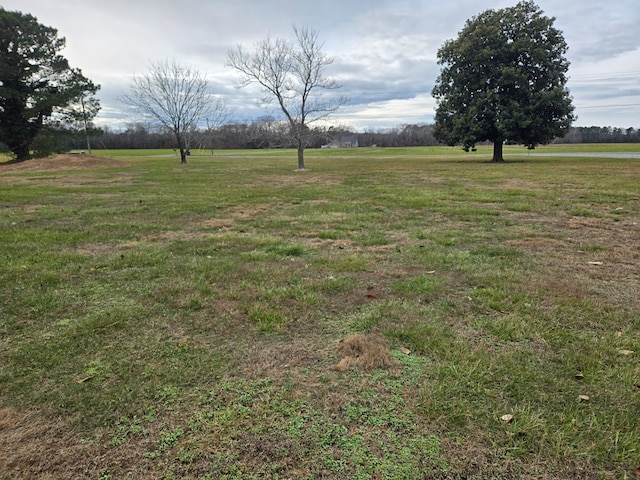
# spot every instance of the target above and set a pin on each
(36, 83)
(504, 80)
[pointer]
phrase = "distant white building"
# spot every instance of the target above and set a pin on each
(343, 141)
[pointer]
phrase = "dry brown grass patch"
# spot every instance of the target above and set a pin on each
(365, 352)
(295, 354)
(223, 224)
(34, 447)
(294, 179)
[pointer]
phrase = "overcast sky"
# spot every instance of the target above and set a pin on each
(384, 50)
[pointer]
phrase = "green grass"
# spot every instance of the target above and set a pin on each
(482, 150)
(168, 321)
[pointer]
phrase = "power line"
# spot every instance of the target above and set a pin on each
(606, 107)
(606, 75)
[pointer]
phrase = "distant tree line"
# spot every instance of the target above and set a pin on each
(267, 133)
(600, 135)
(264, 133)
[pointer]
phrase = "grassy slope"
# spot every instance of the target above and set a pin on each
(160, 320)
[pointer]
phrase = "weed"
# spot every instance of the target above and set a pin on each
(266, 320)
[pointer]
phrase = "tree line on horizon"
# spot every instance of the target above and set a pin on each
(266, 133)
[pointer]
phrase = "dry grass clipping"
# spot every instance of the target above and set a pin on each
(365, 352)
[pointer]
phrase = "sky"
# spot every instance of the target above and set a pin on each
(384, 51)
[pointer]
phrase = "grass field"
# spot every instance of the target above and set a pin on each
(386, 314)
(383, 152)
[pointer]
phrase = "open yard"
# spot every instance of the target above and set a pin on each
(386, 314)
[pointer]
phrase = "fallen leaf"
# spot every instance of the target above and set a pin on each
(406, 351)
(637, 471)
(430, 272)
(508, 418)
(583, 398)
(579, 376)
(626, 352)
(618, 334)
(372, 295)
(596, 263)
(83, 380)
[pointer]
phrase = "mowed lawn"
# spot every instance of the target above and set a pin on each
(386, 314)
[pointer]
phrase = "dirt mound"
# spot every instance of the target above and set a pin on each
(62, 162)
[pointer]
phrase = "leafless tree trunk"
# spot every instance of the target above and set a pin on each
(175, 96)
(291, 75)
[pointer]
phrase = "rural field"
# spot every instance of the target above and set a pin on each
(387, 314)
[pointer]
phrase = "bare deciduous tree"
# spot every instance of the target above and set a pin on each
(291, 75)
(175, 96)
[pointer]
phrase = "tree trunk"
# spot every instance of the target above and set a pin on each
(300, 156)
(181, 147)
(86, 126)
(21, 152)
(497, 151)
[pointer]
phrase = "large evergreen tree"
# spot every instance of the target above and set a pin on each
(504, 79)
(36, 82)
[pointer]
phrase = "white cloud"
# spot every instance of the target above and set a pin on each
(389, 113)
(608, 89)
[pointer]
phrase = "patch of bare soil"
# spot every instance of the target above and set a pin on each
(61, 162)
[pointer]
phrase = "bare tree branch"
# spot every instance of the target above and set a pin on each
(291, 75)
(174, 96)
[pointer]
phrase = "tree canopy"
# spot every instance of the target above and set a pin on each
(503, 79)
(36, 82)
